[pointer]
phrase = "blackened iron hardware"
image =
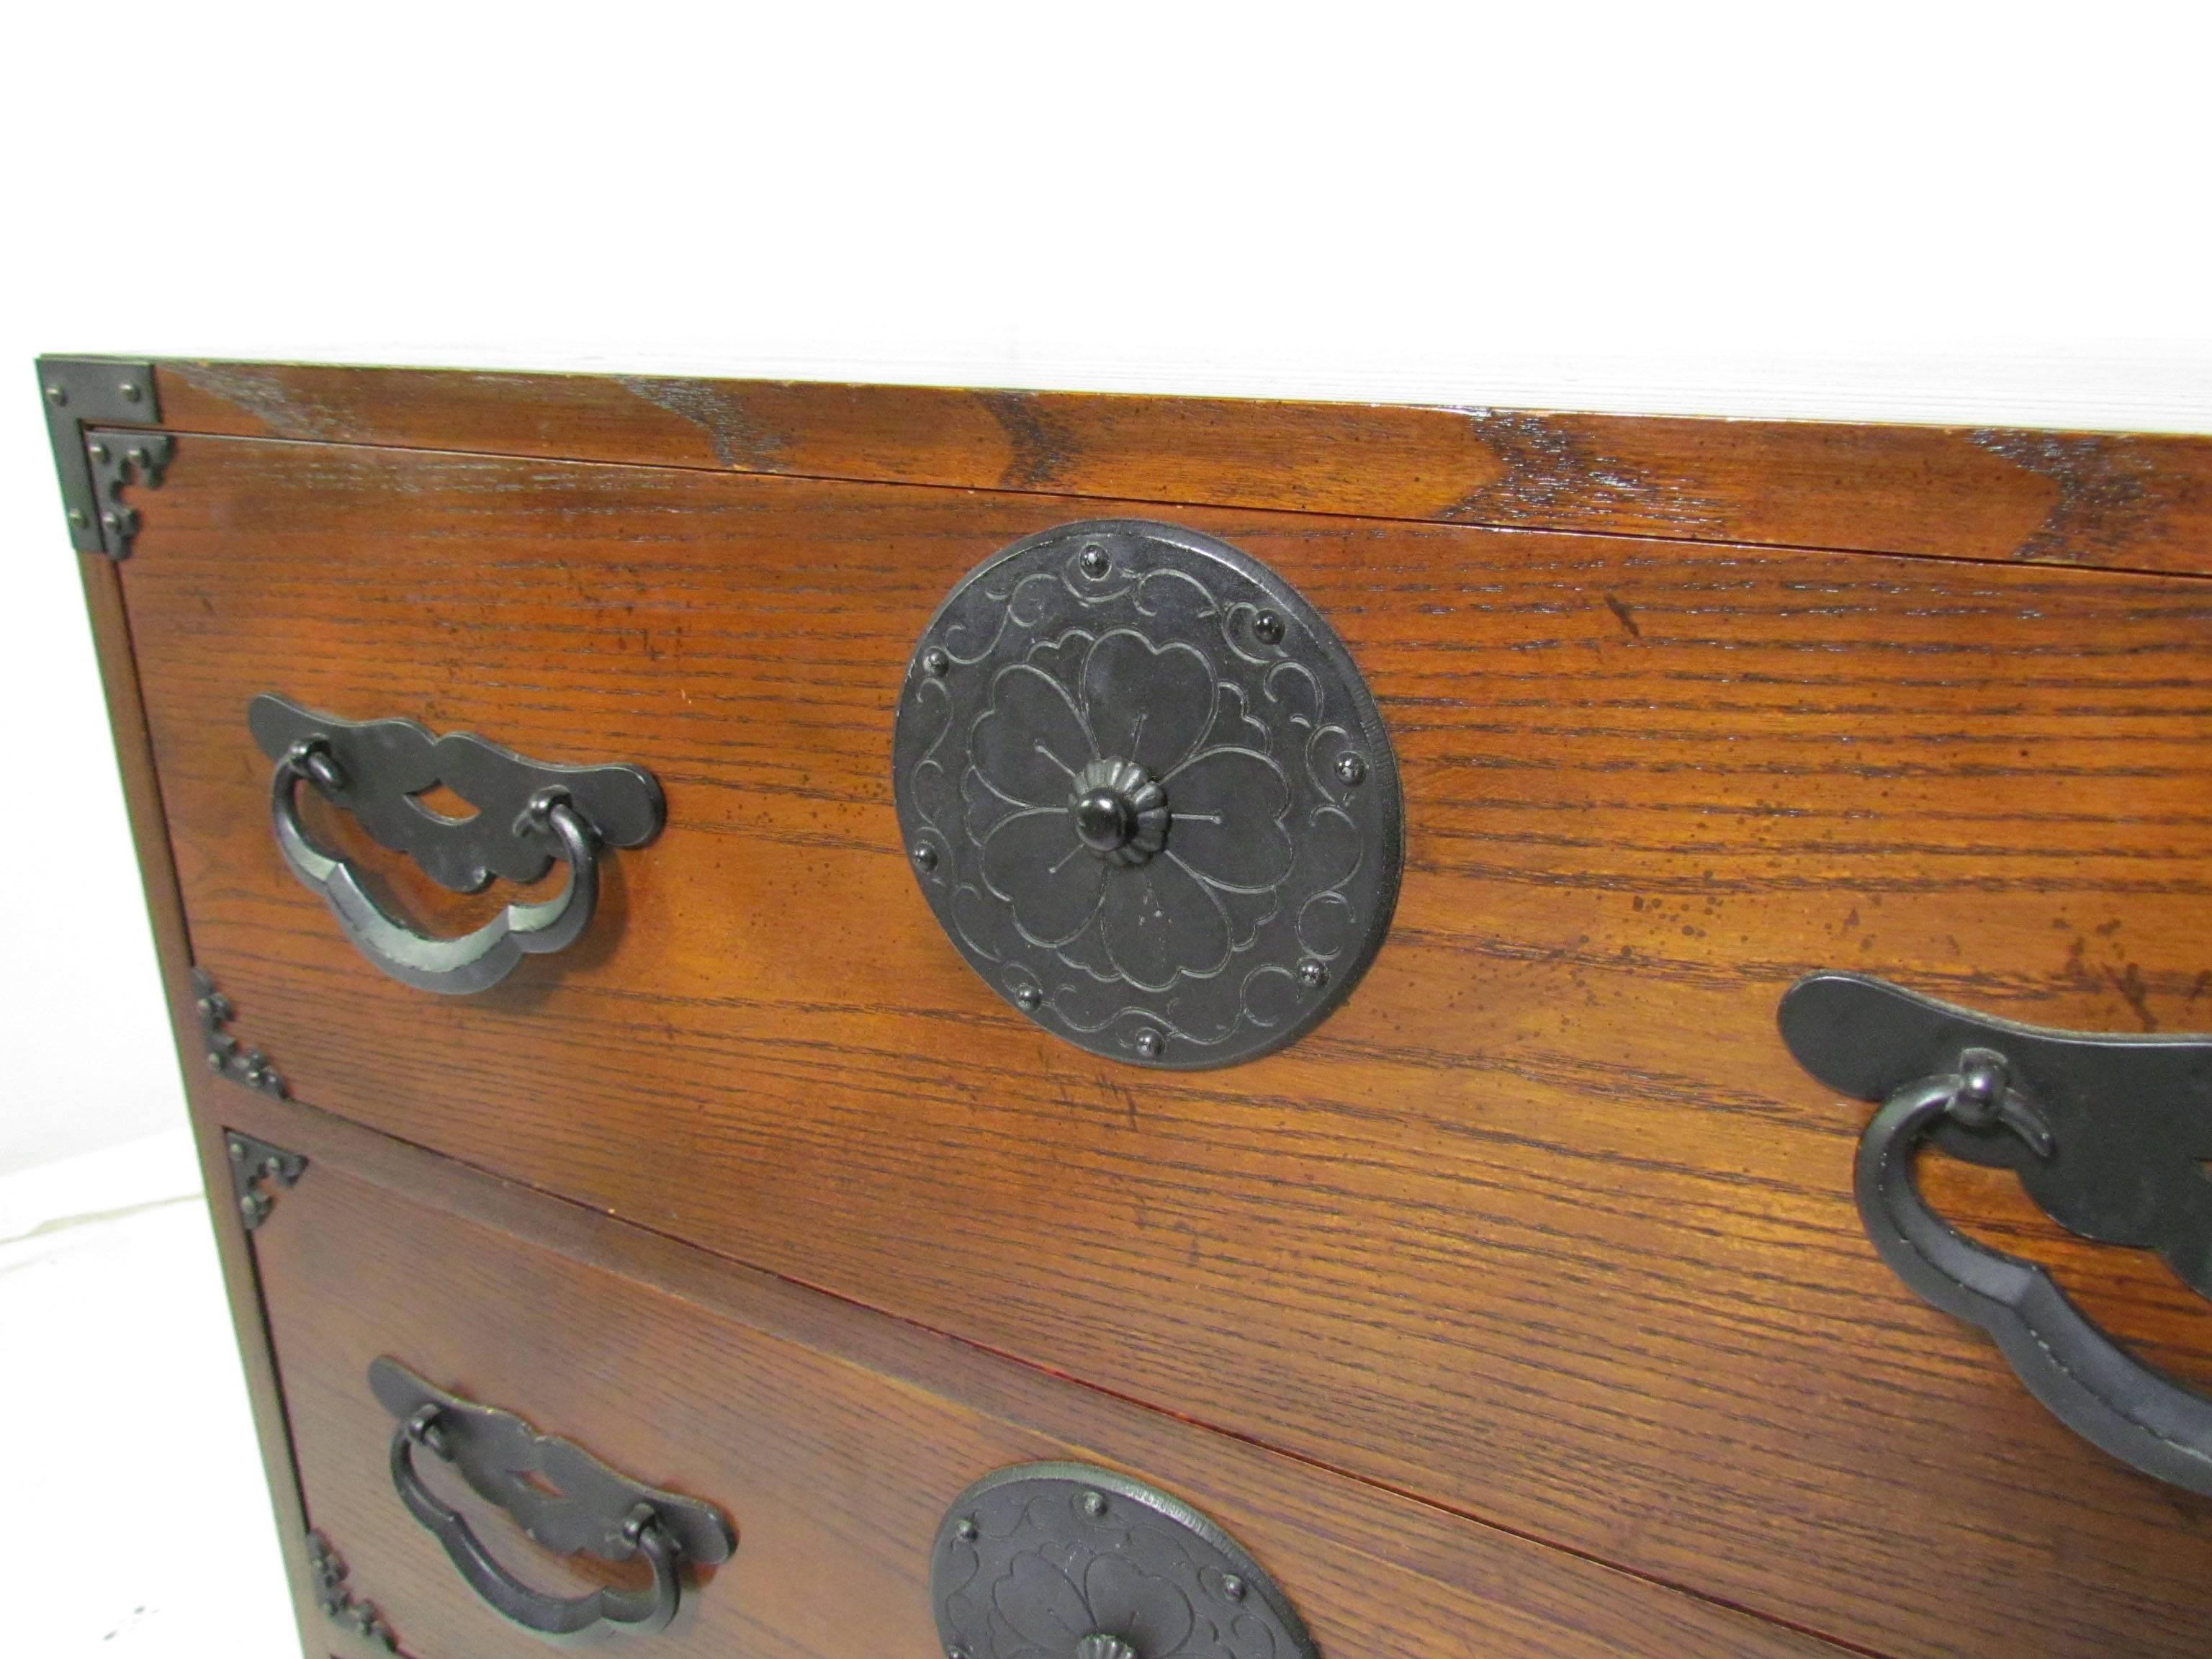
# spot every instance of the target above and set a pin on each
(86, 398)
(565, 1499)
(1147, 794)
(2110, 1133)
(225, 1056)
(1065, 1559)
(253, 1162)
(527, 814)
(339, 1604)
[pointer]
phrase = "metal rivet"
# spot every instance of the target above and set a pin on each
(1267, 627)
(1232, 1587)
(130, 390)
(136, 456)
(1029, 998)
(237, 1147)
(924, 856)
(98, 452)
(967, 1532)
(1094, 1504)
(1351, 769)
(79, 517)
(111, 520)
(56, 396)
(1312, 975)
(955, 1653)
(936, 663)
(1148, 1043)
(1095, 561)
(215, 1064)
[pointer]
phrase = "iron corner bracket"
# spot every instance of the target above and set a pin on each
(225, 1056)
(96, 411)
(252, 1162)
(338, 1602)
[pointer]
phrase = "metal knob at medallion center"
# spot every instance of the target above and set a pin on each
(1104, 820)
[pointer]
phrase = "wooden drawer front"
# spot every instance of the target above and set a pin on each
(1543, 1226)
(835, 1440)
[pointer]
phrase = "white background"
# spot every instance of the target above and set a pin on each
(1984, 213)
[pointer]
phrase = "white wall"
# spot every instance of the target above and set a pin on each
(1932, 212)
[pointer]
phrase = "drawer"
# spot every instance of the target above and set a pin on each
(1543, 1226)
(835, 1440)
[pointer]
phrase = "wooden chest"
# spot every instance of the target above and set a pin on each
(691, 1183)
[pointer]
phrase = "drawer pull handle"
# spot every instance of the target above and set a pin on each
(528, 815)
(2107, 1133)
(595, 1510)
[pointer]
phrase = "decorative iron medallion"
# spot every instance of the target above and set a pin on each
(1147, 794)
(1061, 1561)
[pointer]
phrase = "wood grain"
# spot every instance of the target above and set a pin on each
(2128, 501)
(833, 1438)
(142, 796)
(1543, 1226)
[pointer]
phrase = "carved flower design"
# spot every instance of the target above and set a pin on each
(1112, 1610)
(1123, 811)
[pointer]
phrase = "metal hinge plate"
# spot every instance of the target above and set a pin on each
(93, 404)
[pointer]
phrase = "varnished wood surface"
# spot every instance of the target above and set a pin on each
(834, 1438)
(142, 795)
(1544, 1225)
(2127, 500)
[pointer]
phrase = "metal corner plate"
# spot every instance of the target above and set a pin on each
(83, 397)
(1147, 794)
(1066, 1558)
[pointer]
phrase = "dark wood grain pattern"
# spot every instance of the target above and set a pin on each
(1543, 1226)
(142, 795)
(834, 1438)
(2128, 501)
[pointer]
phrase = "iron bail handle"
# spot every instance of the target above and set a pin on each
(576, 1619)
(2088, 1381)
(2107, 1133)
(475, 961)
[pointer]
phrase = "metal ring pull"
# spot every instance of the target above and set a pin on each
(2106, 1134)
(555, 1616)
(595, 1510)
(527, 816)
(2094, 1387)
(475, 961)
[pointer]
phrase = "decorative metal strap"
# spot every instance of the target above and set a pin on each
(2108, 1134)
(564, 1500)
(527, 815)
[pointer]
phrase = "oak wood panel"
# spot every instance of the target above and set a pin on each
(2133, 501)
(834, 1438)
(1543, 1224)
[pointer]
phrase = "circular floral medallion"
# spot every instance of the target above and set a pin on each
(1147, 794)
(1065, 1561)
